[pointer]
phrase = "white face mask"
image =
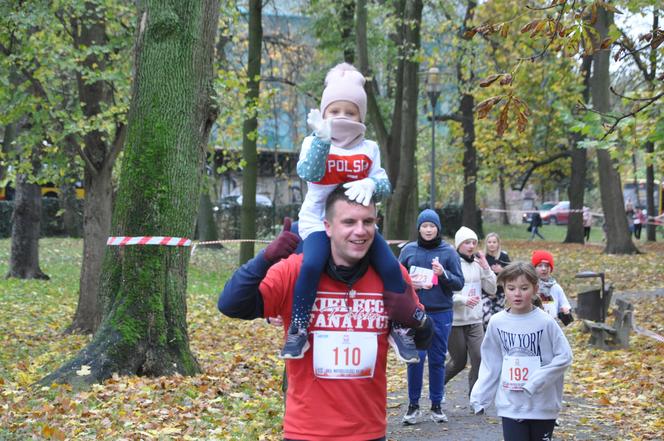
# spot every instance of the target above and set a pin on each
(347, 133)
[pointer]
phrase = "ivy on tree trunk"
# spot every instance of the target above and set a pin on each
(143, 288)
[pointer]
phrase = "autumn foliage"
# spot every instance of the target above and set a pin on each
(238, 396)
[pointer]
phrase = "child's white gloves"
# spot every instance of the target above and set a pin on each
(360, 191)
(322, 127)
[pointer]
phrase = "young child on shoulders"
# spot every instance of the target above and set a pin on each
(338, 154)
(554, 300)
(524, 358)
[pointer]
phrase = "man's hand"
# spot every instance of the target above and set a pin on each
(283, 246)
(360, 191)
(424, 334)
(322, 127)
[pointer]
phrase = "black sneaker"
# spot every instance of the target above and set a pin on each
(297, 343)
(403, 343)
(437, 414)
(412, 415)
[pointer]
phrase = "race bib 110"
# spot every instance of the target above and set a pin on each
(342, 355)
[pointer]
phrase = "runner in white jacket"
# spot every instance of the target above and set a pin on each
(467, 327)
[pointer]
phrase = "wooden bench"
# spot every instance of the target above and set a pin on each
(615, 336)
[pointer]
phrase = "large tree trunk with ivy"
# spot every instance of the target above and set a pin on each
(98, 154)
(618, 236)
(26, 222)
(143, 288)
(577, 185)
(250, 133)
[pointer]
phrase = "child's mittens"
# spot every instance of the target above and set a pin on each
(322, 127)
(360, 191)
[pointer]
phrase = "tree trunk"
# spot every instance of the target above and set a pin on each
(7, 140)
(98, 156)
(250, 133)
(72, 228)
(618, 236)
(505, 220)
(206, 228)
(651, 228)
(143, 288)
(26, 221)
(347, 19)
(97, 211)
(576, 190)
(401, 219)
(470, 216)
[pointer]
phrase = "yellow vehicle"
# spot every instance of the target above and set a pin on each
(48, 190)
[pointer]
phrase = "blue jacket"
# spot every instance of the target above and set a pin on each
(241, 297)
(439, 297)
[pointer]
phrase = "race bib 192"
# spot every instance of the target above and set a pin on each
(517, 370)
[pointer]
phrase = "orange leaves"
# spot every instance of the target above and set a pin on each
(546, 27)
(505, 80)
(49, 432)
(485, 30)
(655, 38)
(513, 105)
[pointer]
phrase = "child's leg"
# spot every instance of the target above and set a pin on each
(541, 429)
(515, 430)
(458, 350)
(386, 265)
(316, 253)
(474, 340)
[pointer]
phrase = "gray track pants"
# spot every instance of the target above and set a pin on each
(464, 340)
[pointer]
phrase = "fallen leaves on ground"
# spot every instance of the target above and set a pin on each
(238, 396)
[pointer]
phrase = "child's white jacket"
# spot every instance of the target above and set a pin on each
(476, 280)
(523, 335)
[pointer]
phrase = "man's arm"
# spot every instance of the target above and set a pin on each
(241, 297)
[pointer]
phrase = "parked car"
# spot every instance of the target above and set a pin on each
(525, 217)
(230, 201)
(559, 214)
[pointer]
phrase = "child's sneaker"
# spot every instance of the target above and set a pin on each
(297, 343)
(437, 414)
(412, 414)
(403, 343)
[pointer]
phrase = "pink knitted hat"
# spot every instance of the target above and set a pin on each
(344, 83)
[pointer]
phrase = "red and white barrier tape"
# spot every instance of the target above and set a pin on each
(148, 240)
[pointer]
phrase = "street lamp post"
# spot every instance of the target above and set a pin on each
(433, 87)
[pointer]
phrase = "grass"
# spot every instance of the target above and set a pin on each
(238, 395)
(552, 233)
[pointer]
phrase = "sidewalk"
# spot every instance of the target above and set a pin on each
(462, 425)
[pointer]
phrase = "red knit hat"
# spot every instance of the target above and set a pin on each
(540, 256)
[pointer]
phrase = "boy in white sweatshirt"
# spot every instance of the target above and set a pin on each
(524, 357)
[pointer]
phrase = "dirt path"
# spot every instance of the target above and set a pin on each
(462, 425)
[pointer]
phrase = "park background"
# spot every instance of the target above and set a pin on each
(497, 107)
